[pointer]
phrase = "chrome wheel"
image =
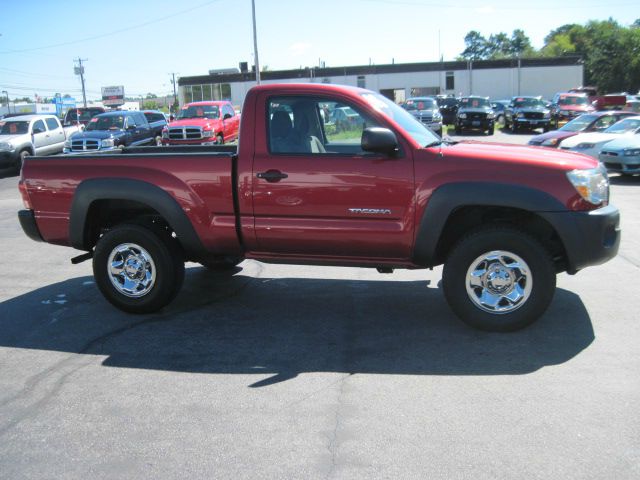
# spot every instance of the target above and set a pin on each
(131, 270)
(499, 282)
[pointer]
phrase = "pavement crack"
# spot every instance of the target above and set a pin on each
(629, 260)
(332, 446)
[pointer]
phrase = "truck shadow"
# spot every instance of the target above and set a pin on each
(277, 328)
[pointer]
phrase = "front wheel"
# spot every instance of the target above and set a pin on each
(498, 279)
(137, 269)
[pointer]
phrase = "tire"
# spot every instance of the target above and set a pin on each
(500, 121)
(163, 267)
(545, 129)
(458, 130)
(220, 139)
(157, 141)
(516, 296)
(222, 264)
(20, 161)
(514, 128)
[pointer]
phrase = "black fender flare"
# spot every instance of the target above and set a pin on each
(140, 191)
(449, 197)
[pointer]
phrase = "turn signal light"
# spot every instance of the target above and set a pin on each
(25, 195)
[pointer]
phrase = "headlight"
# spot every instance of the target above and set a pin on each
(585, 145)
(437, 116)
(629, 152)
(546, 114)
(550, 142)
(107, 143)
(67, 143)
(491, 116)
(5, 146)
(462, 115)
(208, 133)
(591, 184)
(519, 115)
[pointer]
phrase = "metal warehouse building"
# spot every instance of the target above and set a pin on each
(497, 79)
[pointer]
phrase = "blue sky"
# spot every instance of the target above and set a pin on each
(136, 43)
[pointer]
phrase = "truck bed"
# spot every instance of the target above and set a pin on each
(199, 179)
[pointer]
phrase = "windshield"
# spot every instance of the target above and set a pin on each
(110, 122)
(474, 103)
(624, 126)
(420, 104)
(85, 115)
(527, 103)
(199, 111)
(15, 128)
(421, 134)
(579, 124)
(447, 102)
(573, 101)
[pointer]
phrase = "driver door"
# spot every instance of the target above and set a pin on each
(40, 137)
(317, 193)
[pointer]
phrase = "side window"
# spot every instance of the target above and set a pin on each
(141, 121)
(38, 127)
(311, 125)
(604, 122)
(52, 123)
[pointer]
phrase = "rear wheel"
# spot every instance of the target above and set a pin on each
(498, 279)
(20, 161)
(137, 269)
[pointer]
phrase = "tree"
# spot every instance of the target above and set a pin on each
(520, 44)
(151, 95)
(498, 46)
(476, 46)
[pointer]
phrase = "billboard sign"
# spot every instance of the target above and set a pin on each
(113, 96)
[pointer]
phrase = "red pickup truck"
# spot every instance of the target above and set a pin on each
(203, 123)
(385, 193)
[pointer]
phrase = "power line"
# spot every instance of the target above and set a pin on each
(114, 32)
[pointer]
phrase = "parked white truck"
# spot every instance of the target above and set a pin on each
(33, 135)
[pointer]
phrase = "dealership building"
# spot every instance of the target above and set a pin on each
(497, 79)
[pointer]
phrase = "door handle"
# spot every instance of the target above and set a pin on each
(272, 175)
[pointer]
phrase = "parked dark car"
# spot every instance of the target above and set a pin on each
(157, 121)
(426, 111)
(448, 109)
(527, 112)
(85, 115)
(499, 106)
(589, 122)
(475, 113)
(110, 131)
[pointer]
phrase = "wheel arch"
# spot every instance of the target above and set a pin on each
(104, 202)
(458, 208)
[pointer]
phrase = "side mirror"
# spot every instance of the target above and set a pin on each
(131, 127)
(226, 116)
(379, 140)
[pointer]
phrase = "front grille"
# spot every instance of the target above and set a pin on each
(476, 116)
(185, 133)
(426, 118)
(613, 166)
(533, 115)
(84, 145)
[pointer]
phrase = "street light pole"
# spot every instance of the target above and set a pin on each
(255, 41)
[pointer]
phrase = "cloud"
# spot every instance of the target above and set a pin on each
(485, 9)
(299, 48)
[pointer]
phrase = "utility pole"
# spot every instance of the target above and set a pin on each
(79, 70)
(175, 95)
(255, 41)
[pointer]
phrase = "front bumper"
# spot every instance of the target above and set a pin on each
(199, 141)
(29, 225)
(533, 123)
(468, 123)
(8, 158)
(589, 238)
(68, 151)
(621, 163)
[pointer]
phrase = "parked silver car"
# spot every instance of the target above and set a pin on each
(30, 135)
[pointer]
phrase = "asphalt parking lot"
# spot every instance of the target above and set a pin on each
(313, 372)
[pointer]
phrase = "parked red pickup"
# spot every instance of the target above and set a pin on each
(203, 123)
(385, 193)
